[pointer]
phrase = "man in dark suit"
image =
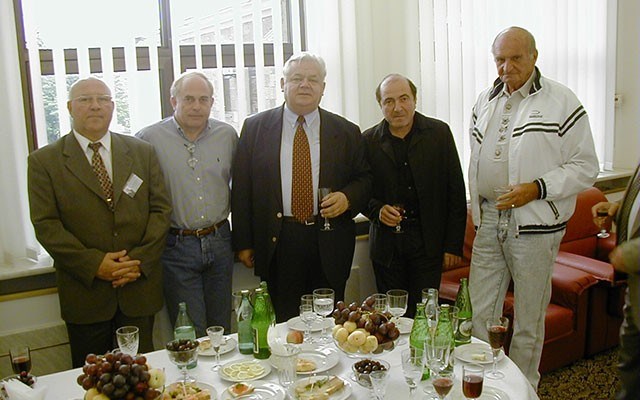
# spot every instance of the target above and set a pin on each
(418, 190)
(626, 258)
(100, 208)
(281, 161)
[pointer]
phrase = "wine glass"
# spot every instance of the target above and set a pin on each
(128, 339)
(323, 306)
(497, 330)
(20, 359)
(412, 367)
(437, 352)
(322, 193)
(442, 383)
(472, 378)
(600, 220)
(215, 334)
(307, 316)
(397, 300)
(400, 208)
(183, 352)
(379, 380)
(306, 299)
(379, 302)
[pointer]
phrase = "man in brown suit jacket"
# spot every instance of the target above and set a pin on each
(105, 236)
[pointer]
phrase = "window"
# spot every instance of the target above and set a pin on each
(139, 47)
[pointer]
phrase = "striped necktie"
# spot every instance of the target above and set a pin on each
(101, 173)
(301, 184)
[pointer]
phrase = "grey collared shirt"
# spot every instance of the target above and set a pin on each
(198, 173)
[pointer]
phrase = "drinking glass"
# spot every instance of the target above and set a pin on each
(20, 359)
(323, 306)
(397, 300)
(472, 378)
(437, 353)
(322, 193)
(215, 334)
(400, 208)
(128, 339)
(307, 316)
(379, 380)
(285, 359)
(182, 358)
(497, 330)
(237, 300)
(306, 299)
(412, 367)
(442, 383)
(379, 302)
(601, 222)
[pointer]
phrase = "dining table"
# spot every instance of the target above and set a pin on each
(514, 385)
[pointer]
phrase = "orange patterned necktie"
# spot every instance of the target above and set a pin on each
(101, 173)
(301, 185)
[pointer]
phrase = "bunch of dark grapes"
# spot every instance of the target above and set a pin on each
(118, 376)
(364, 316)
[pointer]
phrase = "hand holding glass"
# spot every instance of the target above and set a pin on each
(128, 339)
(215, 334)
(400, 208)
(322, 193)
(602, 215)
(497, 329)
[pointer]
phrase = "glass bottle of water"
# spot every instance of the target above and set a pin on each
(260, 323)
(272, 310)
(465, 314)
(184, 328)
(245, 333)
(419, 332)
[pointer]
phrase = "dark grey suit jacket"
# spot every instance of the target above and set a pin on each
(256, 196)
(74, 224)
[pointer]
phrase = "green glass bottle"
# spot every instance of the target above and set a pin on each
(184, 328)
(419, 332)
(465, 314)
(272, 310)
(260, 323)
(444, 334)
(245, 332)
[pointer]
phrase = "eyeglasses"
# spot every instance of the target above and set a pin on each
(102, 100)
(192, 161)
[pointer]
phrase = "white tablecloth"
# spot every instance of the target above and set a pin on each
(63, 386)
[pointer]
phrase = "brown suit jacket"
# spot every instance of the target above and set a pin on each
(74, 224)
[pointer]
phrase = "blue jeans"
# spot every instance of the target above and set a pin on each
(198, 271)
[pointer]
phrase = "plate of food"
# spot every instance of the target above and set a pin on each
(312, 360)
(257, 390)
(404, 325)
(479, 353)
(205, 348)
(189, 391)
(320, 387)
(296, 323)
(243, 371)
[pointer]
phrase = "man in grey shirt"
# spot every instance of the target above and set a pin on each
(196, 153)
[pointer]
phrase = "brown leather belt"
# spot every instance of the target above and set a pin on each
(197, 232)
(309, 221)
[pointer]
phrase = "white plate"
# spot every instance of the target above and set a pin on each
(404, 325)
(488, 393)
(341, 394)
(264, 363)
(263, 390)
(469, 352)
(201, 385)
(324, 358)
(228, 345)
(296, 324)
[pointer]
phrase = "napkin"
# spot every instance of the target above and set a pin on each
(17, 390)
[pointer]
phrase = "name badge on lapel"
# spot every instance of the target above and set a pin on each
(133, 184)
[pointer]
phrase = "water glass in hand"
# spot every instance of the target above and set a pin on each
(216, 337)
(128, 339)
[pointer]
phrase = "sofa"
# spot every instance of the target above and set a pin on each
(584, 313)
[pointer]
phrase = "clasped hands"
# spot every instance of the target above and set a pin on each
(118, 268)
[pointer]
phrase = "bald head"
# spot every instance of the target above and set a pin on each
(516, 33)
(514, 52)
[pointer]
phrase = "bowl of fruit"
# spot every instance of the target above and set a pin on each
(360, 330)
(117, 375)
(362, 369)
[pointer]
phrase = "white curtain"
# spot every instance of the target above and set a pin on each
(571, 37)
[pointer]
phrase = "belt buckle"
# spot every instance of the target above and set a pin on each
(198, 233)
(309, 222)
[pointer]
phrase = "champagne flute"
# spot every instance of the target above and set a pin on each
(472, 378)
(442, 383)
(322, 193)
(215, 334)
(323, 306)
(400, 208)
(600, 220)
(20, 359)
(412, 367)
(497, 330)
(128, 339)
(307, 316)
